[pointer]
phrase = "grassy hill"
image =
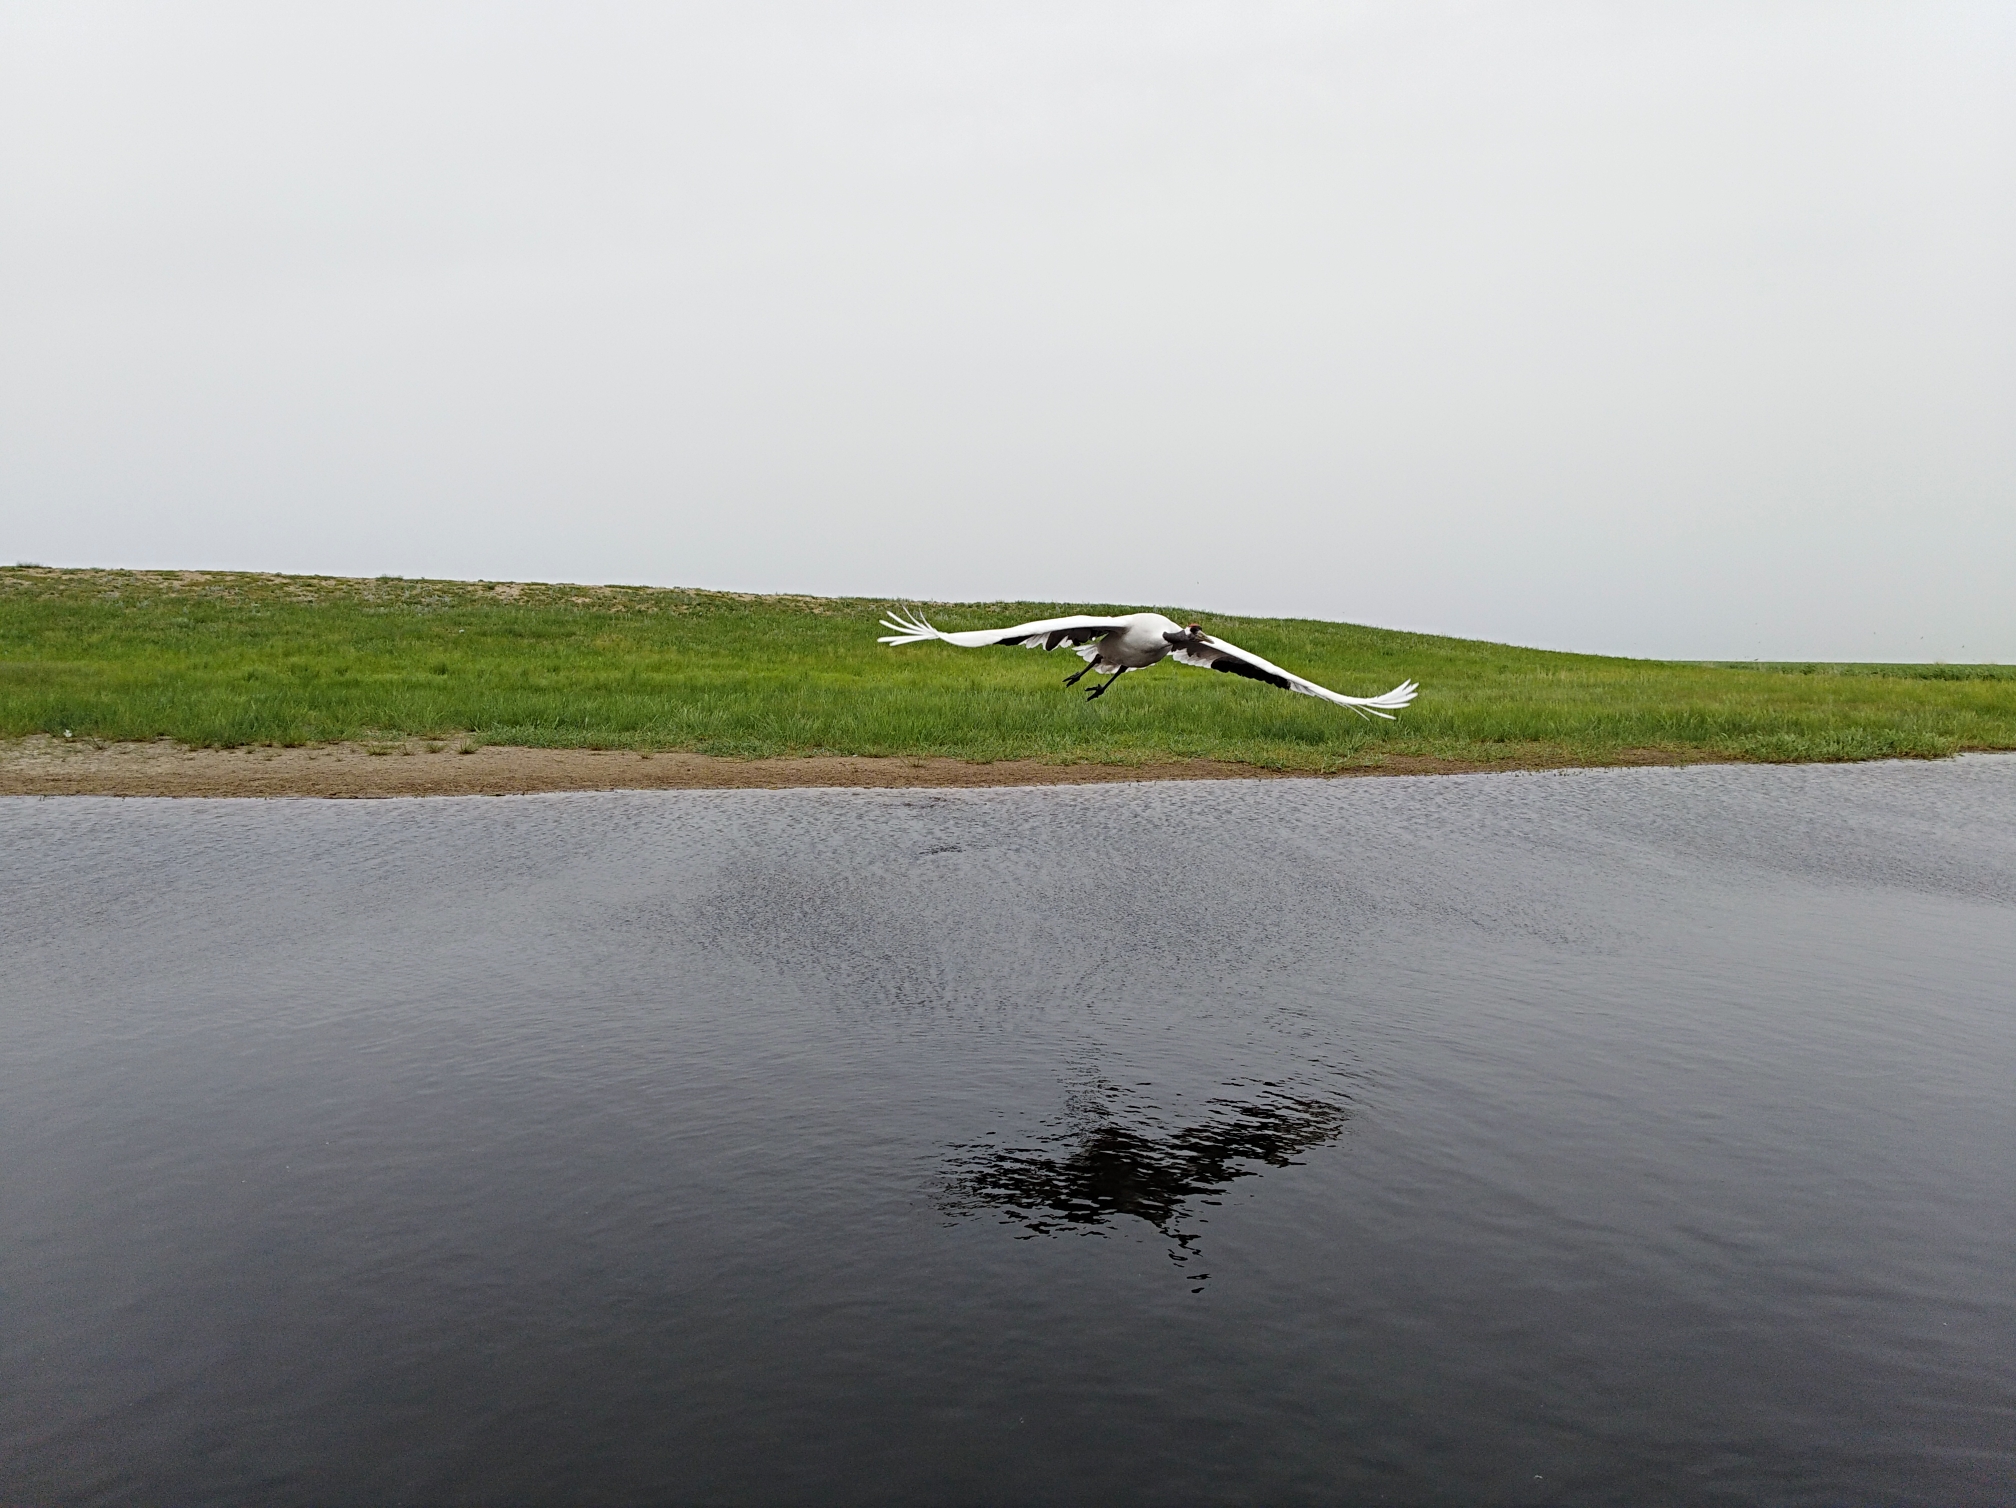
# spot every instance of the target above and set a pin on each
(224, 659)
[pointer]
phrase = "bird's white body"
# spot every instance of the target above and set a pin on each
(1139, 644)
(1134, 641)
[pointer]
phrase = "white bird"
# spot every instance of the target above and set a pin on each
(1134, 641)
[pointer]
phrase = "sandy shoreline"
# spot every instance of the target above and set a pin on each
(45, 766)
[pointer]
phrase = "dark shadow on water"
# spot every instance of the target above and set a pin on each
(1086, 1177)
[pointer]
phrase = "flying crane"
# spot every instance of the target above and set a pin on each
(1113, 646)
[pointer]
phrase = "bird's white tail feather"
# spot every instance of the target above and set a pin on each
(1398, 697)
(910, 630)
(1377, 706)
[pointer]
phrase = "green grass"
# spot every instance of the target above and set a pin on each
(223, 659)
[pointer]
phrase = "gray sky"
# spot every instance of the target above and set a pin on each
(1670, 329)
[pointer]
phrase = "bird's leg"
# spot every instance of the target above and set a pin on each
(1072, 680)
(1108, 686)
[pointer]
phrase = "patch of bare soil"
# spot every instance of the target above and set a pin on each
(45, 766)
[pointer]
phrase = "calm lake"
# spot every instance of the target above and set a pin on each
(1597, 1137)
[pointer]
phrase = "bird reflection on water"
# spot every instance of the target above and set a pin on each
(1101, 1168)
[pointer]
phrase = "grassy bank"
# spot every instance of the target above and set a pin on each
(226, 659)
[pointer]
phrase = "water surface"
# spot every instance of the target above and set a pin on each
(1604, 1137)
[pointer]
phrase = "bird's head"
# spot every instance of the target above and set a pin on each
(1189, 635)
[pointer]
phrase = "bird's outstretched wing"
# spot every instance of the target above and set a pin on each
(1215, 654)
(1046, 633)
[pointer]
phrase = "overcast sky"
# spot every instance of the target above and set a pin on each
(1670, 329)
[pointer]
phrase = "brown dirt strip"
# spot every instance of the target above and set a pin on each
(45, 766)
